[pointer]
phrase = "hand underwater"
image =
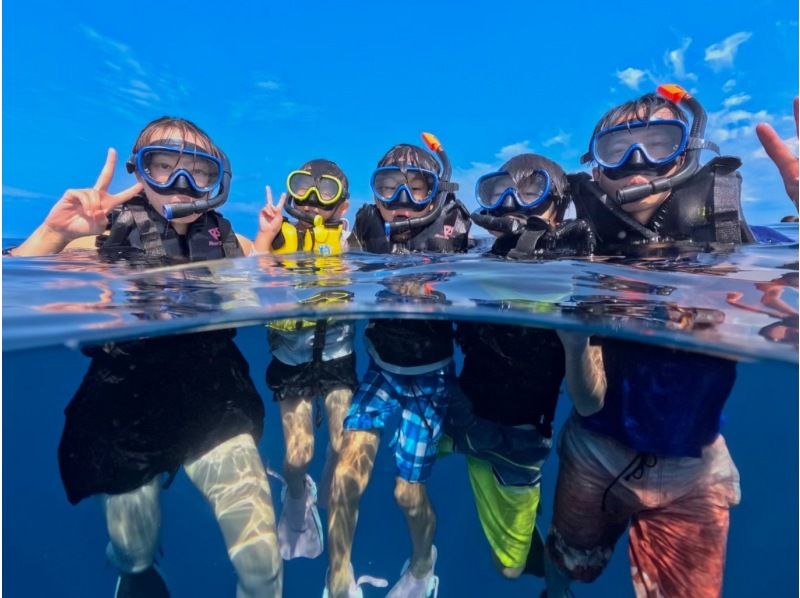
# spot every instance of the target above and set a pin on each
(781, 155)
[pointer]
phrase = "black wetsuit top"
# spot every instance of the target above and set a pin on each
(413, 343)
(147, 406)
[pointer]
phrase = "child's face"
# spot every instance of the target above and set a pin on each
(157, 200)
(647, 204)
(334, 213)
(419, 189)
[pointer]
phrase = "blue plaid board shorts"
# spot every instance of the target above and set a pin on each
(423, 399)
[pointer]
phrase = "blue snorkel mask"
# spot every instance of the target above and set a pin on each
(652, 148)
(171, 167)
(499, 192)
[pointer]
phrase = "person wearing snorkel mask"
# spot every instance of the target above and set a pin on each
(311, 359)
(501, 422)
(150, 406)
(411, 367)
(649, 456)
(648, 187)
(523, 204)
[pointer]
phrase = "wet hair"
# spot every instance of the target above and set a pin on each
(524, 165)
(186, 128)
(405, 155)
(320, 166)
(641, 109)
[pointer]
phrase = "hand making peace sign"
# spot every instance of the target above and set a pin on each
(83, 212)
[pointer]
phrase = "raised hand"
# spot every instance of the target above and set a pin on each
(83, 212)
(781, 155)
(270, 219)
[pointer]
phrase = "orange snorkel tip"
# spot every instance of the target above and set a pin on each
(432, 141)
(673, 92)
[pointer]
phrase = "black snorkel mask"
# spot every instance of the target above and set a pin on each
(656, 159)
(440, 188)
(185, 169)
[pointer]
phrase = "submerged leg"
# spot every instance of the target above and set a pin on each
(298, 434)
(133, 520)
(337, 403)
(350, 479)
(232, 478)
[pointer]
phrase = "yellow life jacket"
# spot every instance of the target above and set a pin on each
(320, 239)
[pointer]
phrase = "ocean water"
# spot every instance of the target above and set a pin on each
(737, 304)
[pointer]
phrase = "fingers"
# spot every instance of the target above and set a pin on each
(108, 171)
(269, 196)
(112, 201)
(796, 129)
(281, 202)
(776, 149)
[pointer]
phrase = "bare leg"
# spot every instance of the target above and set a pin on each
(336, 405)
(298, 433)
(412, 498)
(231, 476)
(133, 520)
(349, 482)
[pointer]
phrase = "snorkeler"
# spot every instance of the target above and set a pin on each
(502, 418)
(411, 368)
(132, 421)
(651, 459)
(311, 359)
(648, 186)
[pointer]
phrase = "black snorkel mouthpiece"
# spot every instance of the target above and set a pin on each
(678, 96)
(446, 187)
(174, 211)
(505, 225)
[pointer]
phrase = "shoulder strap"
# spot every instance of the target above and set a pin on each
(148, 231)
(230, 243)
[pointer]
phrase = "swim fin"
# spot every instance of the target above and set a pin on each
(147, 584)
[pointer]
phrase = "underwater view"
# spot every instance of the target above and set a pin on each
(60, 312)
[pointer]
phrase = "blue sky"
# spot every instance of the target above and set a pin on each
(279, 83)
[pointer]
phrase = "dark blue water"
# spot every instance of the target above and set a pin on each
(53, 549)
(722, 303)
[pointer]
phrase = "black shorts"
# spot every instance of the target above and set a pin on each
(312, 379)
(149, 406)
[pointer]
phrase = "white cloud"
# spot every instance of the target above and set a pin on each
(268, 101)
(124, 82)
(736, 100)
(561, 139)
(632, 77)
(18, 193)
(676, 59)
(722, 54)
(269, 85)
(509, 151)
(729, 85)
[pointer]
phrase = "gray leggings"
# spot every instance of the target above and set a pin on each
(232, 478)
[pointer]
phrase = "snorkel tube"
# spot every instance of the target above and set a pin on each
(308, 217)
(445, 188)
(504, 225)
(173, 211)
(679, 96)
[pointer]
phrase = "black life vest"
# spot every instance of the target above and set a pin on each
(706, 209)
(135, 228)
(447, 234)
(568, 239)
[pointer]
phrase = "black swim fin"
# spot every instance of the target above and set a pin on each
(147, 584)
(534, 565)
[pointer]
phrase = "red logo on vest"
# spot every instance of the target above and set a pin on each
(216, 235)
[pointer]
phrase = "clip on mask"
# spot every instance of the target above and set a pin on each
(171, 168)
(653, 148)
(414, 188)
